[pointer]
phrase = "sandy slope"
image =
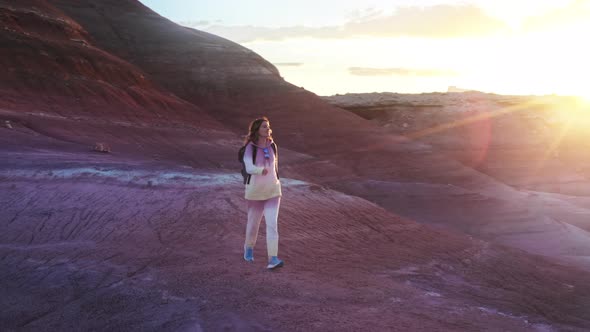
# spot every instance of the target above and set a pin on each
(116, 255)
(94, 241)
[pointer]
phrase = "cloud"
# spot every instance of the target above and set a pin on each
(244, 34)
(577, 12)
(289, 64)
(364, 14)
(193, 24)
(441, 21)
(367, 71)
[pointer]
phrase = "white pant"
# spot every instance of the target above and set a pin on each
(270, 209)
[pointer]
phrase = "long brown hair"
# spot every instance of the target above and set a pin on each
(253, 130)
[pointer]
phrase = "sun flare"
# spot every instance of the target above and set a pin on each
(576, 111)
(585, 99)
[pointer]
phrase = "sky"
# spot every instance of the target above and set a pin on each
(335, 47)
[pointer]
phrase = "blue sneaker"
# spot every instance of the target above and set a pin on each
(274, 262)
(249, 254)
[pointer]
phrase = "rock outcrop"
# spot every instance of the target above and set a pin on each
(529, 142)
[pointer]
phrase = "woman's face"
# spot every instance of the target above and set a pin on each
(264, 130)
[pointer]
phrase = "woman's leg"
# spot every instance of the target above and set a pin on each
(255, 211)
(271, 216)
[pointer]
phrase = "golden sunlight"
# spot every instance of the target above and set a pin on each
(585, 99)
(576, 111)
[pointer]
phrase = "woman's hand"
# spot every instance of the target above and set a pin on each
(264, 171)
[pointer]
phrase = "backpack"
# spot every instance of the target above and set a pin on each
(241, 152)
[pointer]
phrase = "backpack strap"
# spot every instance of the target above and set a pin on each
(254, 151)
(276, 150)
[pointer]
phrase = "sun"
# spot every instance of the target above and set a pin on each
(580, 105)
(585, 99)
(576, 110)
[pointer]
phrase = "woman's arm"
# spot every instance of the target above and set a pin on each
(250, 167)
(276, 149)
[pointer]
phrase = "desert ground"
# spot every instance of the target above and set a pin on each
(441, 212)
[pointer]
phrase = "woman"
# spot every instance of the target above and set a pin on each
(263, 190)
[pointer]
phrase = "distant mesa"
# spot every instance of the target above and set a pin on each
(289, 64)
(453, 88)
